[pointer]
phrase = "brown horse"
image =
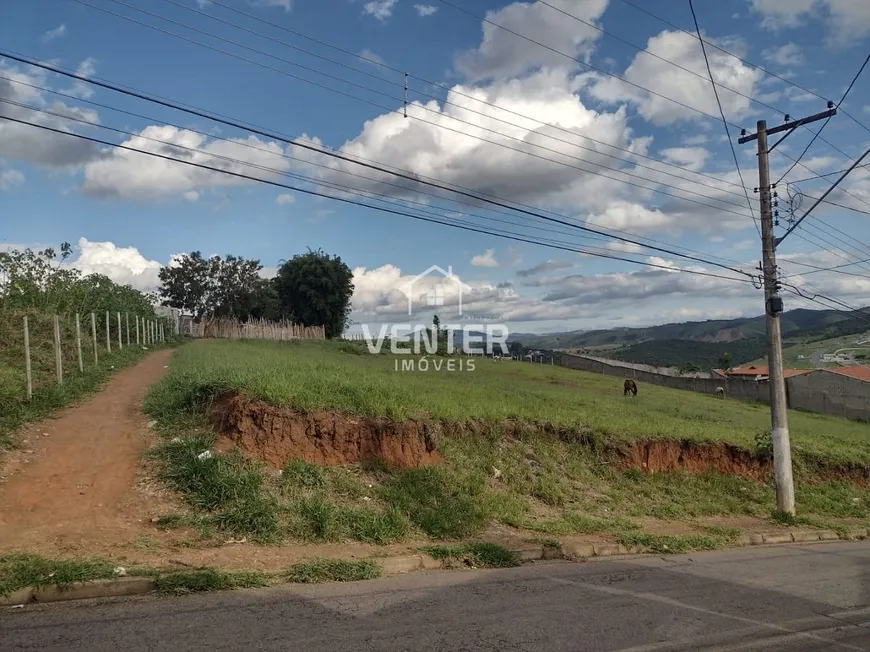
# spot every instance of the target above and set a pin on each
(629, 388)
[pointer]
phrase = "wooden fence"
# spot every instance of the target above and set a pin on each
(255, 329)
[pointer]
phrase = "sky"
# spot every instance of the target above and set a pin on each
(592, 113)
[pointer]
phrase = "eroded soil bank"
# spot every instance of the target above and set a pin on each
(277, 434)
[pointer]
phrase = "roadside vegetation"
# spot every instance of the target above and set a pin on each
(38, 285)
(526, 446)
(22, 570)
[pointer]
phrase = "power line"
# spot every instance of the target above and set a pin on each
(745, 61)
(447, 89)
(724, 121)
(818, 234)
(825, 123)
(816, 269)
(357, 191)
(358, 203)
(815, 241)
(422, 107)
(580, 61)
(410, 177)
(150, 119)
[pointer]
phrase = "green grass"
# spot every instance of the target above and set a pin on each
(333, 570)
(666, 544)
(20, 570)
(209, 579)
(532, 449)
(313, 375)
(477, 554)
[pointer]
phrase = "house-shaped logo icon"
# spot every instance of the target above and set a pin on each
(435, 296)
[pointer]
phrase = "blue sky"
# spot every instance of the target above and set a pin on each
(129, 213)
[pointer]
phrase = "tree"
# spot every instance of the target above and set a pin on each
(515, 348)
(315, 289)
(213, 287)
(726, 362)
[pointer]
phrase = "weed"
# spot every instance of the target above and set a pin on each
(667, 544)
(319, 518)
(764, 444)
(784, 518)
(208, 579)
(255, 516)
(477, 554)
(333, 570)
(19, 570)
(301, 474)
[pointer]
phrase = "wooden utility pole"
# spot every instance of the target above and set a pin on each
(773, 307)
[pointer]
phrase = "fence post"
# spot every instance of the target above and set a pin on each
(137, 330)
(79, 343)
(108, 334)
(120, 338)
(127, 320)
(94, 334)
(27, 369)
(58, 362)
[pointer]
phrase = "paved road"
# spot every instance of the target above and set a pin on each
(775, 599)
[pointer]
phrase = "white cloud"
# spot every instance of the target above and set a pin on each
(203, 3)
(86, 68)
(503, 54)
(425, 10)
(546, 266)
(191, 196)
(697, 139)
(26, 143)
(9, 178)
(284, 199)
(846, 21)
(286, 5)
(691, 158)
(627, 247)
(124, 265)
(369, 57)
(692, 90)
(789, 54)
(380, 9)
(131, 175)
(486, 259)
(52, 34)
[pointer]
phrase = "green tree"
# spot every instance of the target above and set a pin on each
(515, 348)
(315, 289)
(726, 362)
(211, 287)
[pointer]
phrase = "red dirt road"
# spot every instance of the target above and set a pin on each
(76, 484)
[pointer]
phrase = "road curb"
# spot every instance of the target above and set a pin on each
(130, 586)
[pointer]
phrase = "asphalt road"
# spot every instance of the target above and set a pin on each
(814, 597)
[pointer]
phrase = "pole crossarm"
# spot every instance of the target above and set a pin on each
(790, 126)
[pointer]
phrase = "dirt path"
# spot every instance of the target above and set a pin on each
(76, 473)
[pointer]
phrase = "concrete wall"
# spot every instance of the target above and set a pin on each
(747, 390)
(818, 391)
(830, 393)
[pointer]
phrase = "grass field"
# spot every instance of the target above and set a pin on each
(340, 376)
(797, 356)
(532, 480)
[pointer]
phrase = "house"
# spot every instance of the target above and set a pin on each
(756, 372)
(859, 372)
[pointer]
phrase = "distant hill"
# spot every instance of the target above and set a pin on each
(676, 353)
(681, 343)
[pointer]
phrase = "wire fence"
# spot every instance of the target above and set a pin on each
(39, 350)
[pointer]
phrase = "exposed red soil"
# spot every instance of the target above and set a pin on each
(75, 475)
(666, 455)
(278, 434)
